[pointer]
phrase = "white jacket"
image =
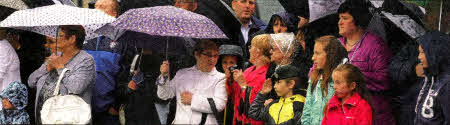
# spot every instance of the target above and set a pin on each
(9, 64)
(202, 85)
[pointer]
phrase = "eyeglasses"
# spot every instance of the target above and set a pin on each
(210, 56)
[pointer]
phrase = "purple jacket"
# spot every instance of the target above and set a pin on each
(372, 57)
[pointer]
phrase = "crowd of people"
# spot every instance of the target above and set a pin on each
(279, 73)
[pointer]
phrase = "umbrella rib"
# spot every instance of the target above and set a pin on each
(440, 17)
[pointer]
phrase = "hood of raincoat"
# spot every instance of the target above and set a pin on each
(436, 46)
(290, 20)
(17, 94)
(284, 41)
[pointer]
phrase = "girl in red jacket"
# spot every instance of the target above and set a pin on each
(350, 104)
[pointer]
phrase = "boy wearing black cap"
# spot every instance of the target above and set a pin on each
(286, 110)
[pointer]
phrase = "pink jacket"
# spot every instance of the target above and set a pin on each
(255, 79)
(354, 111)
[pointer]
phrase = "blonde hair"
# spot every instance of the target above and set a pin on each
(262, 42)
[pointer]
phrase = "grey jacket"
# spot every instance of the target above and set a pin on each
(79, 80)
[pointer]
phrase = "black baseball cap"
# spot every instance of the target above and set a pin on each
(284, 72)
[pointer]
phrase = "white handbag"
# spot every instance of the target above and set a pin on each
(65, 109)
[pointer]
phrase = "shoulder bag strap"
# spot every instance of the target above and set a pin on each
(56, 92)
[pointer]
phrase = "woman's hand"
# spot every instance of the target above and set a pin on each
(132, 85)
(267, 87)
(186, 98)
(419, 70)
(55, 62)
(238, 76)
(164, 69)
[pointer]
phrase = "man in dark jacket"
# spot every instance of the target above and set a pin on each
(244, 10)
(432, 106)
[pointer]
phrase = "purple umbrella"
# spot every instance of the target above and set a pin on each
(168, 21)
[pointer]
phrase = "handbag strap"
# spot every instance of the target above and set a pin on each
(214, 110)
(56, 92)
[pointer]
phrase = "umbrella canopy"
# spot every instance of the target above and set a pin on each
(168, 21)
(45, 20)
(5, 12)
(14, 4)
(322, 8)
(296, 7)
(222, 15)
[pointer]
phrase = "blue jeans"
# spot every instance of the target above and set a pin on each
(163, 112)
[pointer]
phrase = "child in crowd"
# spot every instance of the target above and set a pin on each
(328, 54)
(350, 104)
(288, 108)
(14, 100)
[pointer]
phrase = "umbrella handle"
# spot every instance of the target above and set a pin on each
(56, 46)
(167, 54)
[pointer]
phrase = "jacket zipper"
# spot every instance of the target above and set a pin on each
(279, 112)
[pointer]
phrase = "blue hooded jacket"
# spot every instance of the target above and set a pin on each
(432, 106)
(17, 95)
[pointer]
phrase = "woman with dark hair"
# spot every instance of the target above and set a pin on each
(328, 54)
(350, 104)
(432, 105)
(282, 22)
(369, 53)
(80, 78)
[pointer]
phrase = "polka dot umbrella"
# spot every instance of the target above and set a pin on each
(45, 20)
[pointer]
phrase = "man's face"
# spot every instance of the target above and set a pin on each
(244, 8)
(189, 5)
(107, 6)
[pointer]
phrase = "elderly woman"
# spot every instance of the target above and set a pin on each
(250, 82)
(284, 46)
(79, 80)
(369, 53)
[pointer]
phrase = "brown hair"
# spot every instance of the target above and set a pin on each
(262, 42)
(77, 30)
(353, 74)
(205, 44)
(335, 53)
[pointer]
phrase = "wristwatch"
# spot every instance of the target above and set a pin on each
(243, 87)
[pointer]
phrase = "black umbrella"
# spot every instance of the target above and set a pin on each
(5, 12)
(296, 7)
(223, 16)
